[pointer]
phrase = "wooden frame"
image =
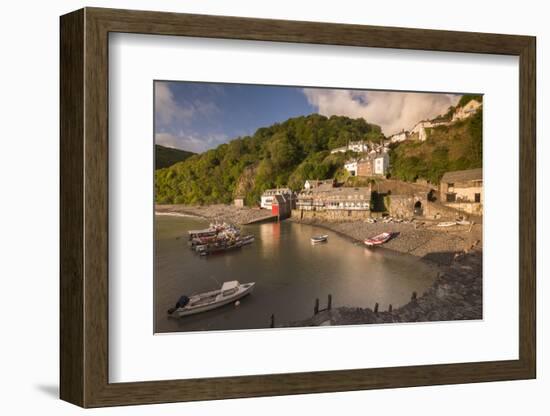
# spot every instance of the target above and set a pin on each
(84, 207)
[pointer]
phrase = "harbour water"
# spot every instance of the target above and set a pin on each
(288, 270)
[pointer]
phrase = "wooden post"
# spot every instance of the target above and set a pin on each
(390, 309)
(316, 308)
(376, 308)
(329, 302)
(272, 324)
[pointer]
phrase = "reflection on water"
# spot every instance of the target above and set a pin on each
(288, 270)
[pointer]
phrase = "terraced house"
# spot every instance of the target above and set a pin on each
(463, 190)
(335, 199)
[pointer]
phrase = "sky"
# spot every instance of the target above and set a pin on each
(200, 116)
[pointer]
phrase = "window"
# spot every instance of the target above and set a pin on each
(477, 197)
(451, 197)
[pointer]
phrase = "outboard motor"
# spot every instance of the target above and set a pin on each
(183, 300)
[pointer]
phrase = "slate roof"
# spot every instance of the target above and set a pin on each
(463, 176)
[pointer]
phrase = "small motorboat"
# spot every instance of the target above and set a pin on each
(446, 224)
(379, 239)
(202, 302)
(247, 239)
(319, 239)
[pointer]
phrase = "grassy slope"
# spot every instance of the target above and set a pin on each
(448, 148)
(284, 154)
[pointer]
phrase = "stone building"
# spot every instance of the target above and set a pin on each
(463, 190)
(335, 199)
(281, 206)
(374, 163)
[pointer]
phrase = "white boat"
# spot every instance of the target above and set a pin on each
(463, 222)
(202, 302)
(319, 239)
(446, 224)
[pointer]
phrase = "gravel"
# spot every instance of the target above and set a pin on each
(218, 212)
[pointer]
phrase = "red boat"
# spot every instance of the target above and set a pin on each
(379, 239)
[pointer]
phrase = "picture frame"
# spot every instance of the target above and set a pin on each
(84, 216)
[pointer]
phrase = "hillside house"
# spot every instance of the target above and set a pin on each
(467, 111)
(381, 164)
(399, 137)
(351, 167)
(420, 128)
(357, 146)
(268, 197)
(365, 167)
(463, 190)
(374, 163)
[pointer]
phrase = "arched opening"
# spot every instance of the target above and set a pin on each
(418, 208)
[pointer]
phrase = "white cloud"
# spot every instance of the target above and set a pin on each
(168, 110)
(166, 107)
(190, 142)
(393, 111)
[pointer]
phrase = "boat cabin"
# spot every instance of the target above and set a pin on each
(229, 288)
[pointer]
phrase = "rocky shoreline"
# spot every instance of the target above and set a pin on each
(217, 212)
(457, 294)
(421, 239)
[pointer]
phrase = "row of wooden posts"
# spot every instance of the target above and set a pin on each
(316, 309)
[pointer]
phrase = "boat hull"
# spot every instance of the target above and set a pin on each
(319, 239)
(379, 239)
(186, 311)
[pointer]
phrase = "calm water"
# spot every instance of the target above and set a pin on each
(288, 270)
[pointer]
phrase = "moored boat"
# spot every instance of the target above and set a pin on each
(446, 224)
(379, 239)
(319, 239)
(247, 239)
(202, 302)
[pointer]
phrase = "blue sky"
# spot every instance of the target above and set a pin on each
(200, 116)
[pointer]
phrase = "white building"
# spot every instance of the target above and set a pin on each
(351, 167)
(467, 111)
(381, 164)
(399, 137)
(358, 146)
(268, 197)
(374, 163)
